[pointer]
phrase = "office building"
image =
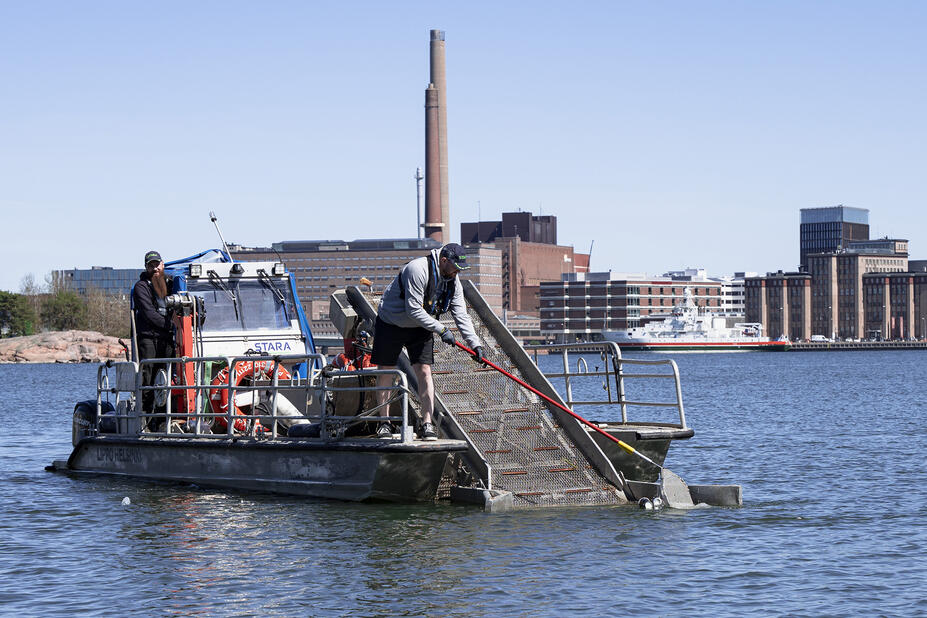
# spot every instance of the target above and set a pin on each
(110, 281)
(530, 255)
(781, 302)
(582, 305)
(895, 305)
(834, 298)
(823, 230)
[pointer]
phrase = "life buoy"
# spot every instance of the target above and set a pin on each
(244, 369)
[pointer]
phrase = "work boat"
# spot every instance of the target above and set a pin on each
(689, 328)
(249, 404)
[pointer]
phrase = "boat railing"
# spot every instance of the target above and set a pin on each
(119, 385)
(614, 374)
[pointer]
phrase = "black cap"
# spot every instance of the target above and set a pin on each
(152, 256)
(455, 253)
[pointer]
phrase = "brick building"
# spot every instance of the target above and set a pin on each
(825, 230)
(530, 255)
(322, 266)
(846, 295)
(582, 305)
(780, 302)
(895, 305)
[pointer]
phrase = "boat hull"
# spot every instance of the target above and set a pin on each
(355, 470)
(706, 346)
(651, 440)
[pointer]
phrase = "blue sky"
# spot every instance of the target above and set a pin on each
(673, 134)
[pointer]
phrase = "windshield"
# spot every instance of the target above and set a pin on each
(257, 305)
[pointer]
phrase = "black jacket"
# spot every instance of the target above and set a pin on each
(152, 318)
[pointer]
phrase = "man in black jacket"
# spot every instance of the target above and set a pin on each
(154, 326)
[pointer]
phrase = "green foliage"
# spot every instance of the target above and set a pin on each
(17, 318)
(64, 310)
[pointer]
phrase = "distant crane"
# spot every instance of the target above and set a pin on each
(589, 265)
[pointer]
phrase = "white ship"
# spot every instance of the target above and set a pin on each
(690, 329)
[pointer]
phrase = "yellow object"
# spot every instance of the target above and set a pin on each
(626, 446)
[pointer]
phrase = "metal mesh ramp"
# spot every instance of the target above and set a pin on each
(511, 430)
(528, 452)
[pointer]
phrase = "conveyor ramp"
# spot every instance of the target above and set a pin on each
(518, 442)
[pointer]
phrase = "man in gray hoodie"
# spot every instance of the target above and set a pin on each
(408, 316)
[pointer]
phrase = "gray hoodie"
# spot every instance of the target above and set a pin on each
(409, 312)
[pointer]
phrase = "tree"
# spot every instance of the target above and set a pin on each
(107, 314)
(34, 293)
(64, 310)
(16, 315)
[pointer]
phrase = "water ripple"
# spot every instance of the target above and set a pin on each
(828, 449)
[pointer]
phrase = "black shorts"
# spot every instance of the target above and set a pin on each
(389, 339)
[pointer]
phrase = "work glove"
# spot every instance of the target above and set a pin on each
(478, 354)
(447, 336)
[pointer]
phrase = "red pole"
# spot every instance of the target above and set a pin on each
(620, 443)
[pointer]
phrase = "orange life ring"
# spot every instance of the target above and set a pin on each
(219, 396)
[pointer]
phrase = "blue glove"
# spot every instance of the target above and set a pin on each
(448, 337)
(478, 354)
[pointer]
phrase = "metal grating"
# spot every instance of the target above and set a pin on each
(529, 453)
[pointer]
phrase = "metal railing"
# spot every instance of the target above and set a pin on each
(322, 385)
(614, 375)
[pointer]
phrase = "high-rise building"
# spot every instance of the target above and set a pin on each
(824, 230)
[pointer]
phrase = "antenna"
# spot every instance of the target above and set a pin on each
(215, 221)
(418, 199)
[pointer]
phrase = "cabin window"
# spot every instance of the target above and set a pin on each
(256, 306)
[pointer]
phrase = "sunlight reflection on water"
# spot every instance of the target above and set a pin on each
(828, 448)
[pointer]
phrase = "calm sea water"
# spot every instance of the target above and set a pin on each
(829, 448)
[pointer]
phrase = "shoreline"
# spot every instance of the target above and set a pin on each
(61, 347)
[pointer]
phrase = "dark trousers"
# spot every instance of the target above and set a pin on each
(153, 348)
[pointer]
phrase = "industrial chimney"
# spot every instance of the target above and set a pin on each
(437, 210)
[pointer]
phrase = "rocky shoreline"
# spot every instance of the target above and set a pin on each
(70, 346)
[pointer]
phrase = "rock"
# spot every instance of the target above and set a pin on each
(70, 346)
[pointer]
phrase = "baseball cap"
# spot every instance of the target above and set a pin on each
(152, 256)
(455, 253)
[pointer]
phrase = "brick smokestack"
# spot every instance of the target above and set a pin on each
(434, 226)
(438, 132)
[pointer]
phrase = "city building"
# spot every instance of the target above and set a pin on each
(110, 281)
(891, 246)
(322, 266)
(530, 255)
(837, 299)
(582, 305)
(524, 225)
(781, 302)
(895, 305)
(824, 230)
(732, 288)
(842, 296)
